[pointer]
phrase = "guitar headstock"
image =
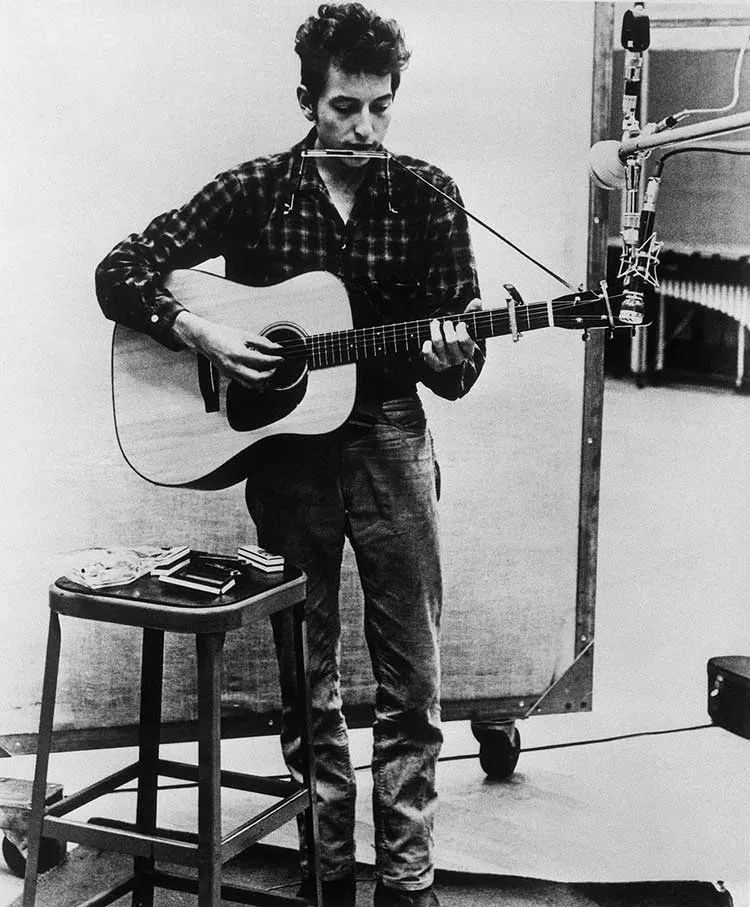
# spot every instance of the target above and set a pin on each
(588, 310)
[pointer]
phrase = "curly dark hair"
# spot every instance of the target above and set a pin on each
(353, 37)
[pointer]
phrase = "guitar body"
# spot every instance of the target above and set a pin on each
(174, 431)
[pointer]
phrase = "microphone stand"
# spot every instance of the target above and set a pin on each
(640, 253)
(614, 164)
(639, 250)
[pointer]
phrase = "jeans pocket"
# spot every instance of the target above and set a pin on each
(406, 414)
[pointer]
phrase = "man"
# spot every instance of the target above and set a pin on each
(404, 252)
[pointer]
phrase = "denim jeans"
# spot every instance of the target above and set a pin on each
(372, 481)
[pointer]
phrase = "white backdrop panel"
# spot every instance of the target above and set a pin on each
(115, 112)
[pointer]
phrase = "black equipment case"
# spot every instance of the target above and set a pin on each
(729, 693)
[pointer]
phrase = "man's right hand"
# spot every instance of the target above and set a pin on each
(242, 356)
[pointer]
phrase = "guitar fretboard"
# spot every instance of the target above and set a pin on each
(381, 341)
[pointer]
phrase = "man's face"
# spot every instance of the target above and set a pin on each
(353, 111)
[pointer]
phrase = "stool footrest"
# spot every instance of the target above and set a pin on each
(232, 893)
(87, 794)
(110, 895)
(258, 784)
(173, 846)
(132, 842)
(263, 824)
(174, 834)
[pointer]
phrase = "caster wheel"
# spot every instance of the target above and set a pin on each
(499, 752)
(50, 854)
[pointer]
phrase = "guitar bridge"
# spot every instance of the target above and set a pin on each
(208, 383)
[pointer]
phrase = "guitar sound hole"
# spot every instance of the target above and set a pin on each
(291, 371)
(248, 410)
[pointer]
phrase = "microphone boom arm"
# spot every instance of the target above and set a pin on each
(706, 129)
(607, 158)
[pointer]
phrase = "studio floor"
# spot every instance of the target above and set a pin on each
(642, 789)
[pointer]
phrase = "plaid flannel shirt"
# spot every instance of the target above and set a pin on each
(404, 254)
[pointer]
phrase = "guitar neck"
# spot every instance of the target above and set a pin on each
(408, 337)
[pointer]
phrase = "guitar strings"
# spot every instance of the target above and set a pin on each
(338, 343)
(378, 337)
(481, 319)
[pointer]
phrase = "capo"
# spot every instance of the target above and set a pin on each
(514, 298)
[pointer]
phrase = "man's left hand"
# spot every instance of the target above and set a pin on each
(449, 345)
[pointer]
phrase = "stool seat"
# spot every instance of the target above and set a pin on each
(155, 607)
(149, 602)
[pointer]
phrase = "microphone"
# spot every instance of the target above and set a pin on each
(639, 267)
(606, 167)
(635, 34)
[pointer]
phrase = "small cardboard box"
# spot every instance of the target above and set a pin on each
(729, 693)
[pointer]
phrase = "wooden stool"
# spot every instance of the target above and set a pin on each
(158, 608)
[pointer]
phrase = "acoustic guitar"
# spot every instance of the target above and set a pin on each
(180, 423)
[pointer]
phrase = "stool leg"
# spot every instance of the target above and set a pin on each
(152, 666)
(209, 647)
(308, 762)
(44, 744)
